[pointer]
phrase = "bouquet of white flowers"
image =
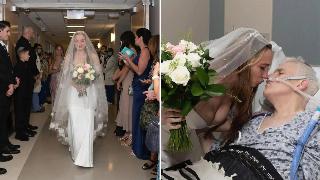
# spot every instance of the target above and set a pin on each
(83, 76)
(185, 80)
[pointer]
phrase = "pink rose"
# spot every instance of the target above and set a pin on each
(177, 49)
(86, 67)
(169, 46)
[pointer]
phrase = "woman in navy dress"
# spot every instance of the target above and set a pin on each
(141, 66)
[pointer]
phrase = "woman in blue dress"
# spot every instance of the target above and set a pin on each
(141, 66)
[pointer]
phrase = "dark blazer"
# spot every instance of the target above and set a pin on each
(23, 42)
(32, 67)
(23, 72)
(6, 75)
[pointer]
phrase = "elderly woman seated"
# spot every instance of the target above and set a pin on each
(265, 146)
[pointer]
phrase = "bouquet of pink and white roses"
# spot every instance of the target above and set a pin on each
(83, 76)
(185, 80)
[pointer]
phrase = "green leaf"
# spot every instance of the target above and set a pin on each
(215, 90)
(166, 56)
(212, 72)
(172, 91)
(202, 76)
(196, 89)
(186, 107)
(205, 97)
(212, 76)
(164, 94)
(211, 93)
(206, 55)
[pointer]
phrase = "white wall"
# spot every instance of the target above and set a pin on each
(249, 13)
(179, 17)
(123, 24)
(155, 18)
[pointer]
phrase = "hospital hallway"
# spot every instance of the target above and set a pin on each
(49, 27)
(44, 158)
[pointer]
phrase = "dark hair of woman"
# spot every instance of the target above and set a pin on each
(145, 33)
(128, 39)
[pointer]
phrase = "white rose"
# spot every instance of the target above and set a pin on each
(183, 44)
(165, 67)
(188, 45)
(80, 70)
(194, 59)
(92, 77)
(192, 47)
(87, 76)
(75, 74)
(180, 58)
(180, 75)
(169, 45)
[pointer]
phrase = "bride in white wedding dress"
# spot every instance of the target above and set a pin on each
(79, 119)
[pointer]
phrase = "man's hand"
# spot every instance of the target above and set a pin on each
(10, 90)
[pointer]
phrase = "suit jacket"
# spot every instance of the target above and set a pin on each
(23, 72)
(23, 42)
(6, 75)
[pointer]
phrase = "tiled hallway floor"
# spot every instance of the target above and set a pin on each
(44, 158)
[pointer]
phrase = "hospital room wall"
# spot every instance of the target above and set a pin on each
(191, 17)
(296, 28)
(293, 24)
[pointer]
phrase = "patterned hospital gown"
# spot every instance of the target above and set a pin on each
(278, 144)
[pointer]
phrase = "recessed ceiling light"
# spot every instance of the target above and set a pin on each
(71, 32)
(66, 17)
(78, 26)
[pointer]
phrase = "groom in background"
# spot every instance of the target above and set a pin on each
(24, 42)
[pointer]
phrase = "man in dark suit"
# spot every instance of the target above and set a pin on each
(7, 85)
(33, 72)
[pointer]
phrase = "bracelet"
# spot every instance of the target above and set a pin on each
(155, 77)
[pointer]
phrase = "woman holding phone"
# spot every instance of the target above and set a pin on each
(141, 66)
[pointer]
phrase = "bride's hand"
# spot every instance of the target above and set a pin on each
(78, 87)
(171, 118)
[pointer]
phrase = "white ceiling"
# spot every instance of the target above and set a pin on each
(49, 14)
(76, 4)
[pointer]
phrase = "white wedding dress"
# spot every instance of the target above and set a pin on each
(81, 126)
(79, 120)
